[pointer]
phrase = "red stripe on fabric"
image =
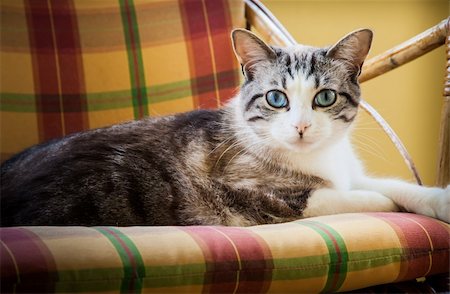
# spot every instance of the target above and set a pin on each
(199, 53)
(219, 19)
(71, 69)
(135, 61)
(337, 270)
(439, 234)
(44, 69)
(131, 258)
(35, 263)
(416, 244)
(8, 273)
(236, 259)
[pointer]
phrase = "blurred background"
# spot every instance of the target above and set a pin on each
(409, 97)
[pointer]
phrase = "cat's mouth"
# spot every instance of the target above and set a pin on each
(302, 144)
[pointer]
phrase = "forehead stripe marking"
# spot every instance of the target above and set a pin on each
(255, 118)
(344, 118)
(252, 100)
(297, 63)
(350, 99)
(288, 65)
(312, 65)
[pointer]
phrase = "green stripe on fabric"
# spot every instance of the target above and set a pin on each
(97, 101)
(304, 261)
(170, 91)
(133, 265)
(108, 100)
(89, 280)
(193, 274)
(136, 65)
(362, 260)
(17, 102)
(336, 247)
(175, 275)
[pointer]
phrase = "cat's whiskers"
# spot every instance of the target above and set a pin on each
(221, 144)
(364, 122)
(374, 142)
(246, 150)
(228, 129)
(369, 149)
(367, 129)
(234, 144)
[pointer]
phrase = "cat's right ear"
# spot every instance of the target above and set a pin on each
(353, 48)
(250, 50)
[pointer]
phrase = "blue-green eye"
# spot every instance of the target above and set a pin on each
(325, 98)
(276, 99)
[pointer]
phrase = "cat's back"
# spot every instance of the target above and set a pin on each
(102, 174)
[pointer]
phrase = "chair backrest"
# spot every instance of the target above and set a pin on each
(72, 65)
(409, 50)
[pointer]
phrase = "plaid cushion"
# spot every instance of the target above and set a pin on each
(71, 65)
(331, 253)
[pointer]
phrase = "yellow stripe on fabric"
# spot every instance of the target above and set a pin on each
(12, 127)
(211, 51)
(237, 257)
(107, 72)
(16, 74)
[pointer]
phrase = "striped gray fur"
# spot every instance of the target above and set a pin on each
(311, 63)
(229, 166)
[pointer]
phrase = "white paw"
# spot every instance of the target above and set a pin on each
(443, 205)
(328, 201)
(376, 202)
(438, 205)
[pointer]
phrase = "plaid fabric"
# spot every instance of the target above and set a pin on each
(331, 253)
(71, 65)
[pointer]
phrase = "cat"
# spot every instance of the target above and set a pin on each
(278, 151)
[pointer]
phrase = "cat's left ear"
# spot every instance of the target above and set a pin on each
(353, 48)
(250, 50)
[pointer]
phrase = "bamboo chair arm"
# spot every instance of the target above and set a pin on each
(443, 168)
(405, 52)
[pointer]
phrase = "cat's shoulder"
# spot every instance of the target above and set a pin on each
(199, 118)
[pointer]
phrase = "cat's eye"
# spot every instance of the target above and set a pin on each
(276, 99)
(325, 98)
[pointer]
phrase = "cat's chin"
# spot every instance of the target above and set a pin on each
(302, 146)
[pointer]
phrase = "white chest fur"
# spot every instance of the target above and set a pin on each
(336, 164)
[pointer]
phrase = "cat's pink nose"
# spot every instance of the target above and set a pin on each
(301, 128)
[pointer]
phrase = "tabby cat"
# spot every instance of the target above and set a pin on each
(279, 151)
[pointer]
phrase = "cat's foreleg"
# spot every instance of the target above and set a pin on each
(429, 201)
(330, 201)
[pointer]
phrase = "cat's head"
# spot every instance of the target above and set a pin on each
(300, 97)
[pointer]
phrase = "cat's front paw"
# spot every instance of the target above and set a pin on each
(438, 205)
(443, 205)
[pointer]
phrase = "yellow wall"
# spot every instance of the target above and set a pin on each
(409, 98)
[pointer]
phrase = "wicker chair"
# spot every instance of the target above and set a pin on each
(333, 253)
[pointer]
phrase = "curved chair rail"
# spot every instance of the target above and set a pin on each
(405, 52)
(266, 24)
(402, 54)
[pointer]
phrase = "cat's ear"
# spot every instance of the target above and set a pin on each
(250, 50)
(353, 48)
